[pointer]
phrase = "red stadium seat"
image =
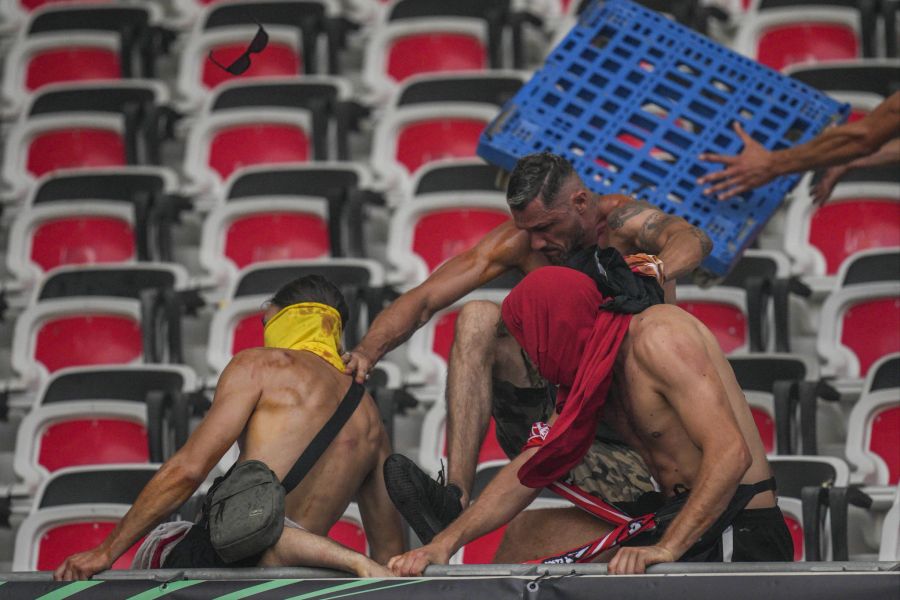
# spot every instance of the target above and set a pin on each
(220, 144)
(77, 233)
(840, 229)
(54, 334)
(722, 310)
(779, 38)
(408, 137)
(47, 143)
(403, 48)
(859, 325)
(277, 59)
(779, 47)
(57, 57)
(264, 229)
(80, 433)
(60, 542)
(197, 75)
(873, 438)
(481, 551)
(73, 63)
(765, 424)
(428, 230)
(349, 532)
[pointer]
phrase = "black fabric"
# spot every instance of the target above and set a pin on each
(195, 551)
(709, 547)
(626, 291)
(761, 535)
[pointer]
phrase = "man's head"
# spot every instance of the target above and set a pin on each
(308, 288)
(550, 202)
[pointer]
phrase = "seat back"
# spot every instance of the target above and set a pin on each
(863, 223)
(428, 231)
(859, 325)
(349, 532)
(873, 437)
(722, 310)
(784, 45)
(73, 332)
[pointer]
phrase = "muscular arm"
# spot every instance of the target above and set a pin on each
(503, 248)
(887, 154)
(674, 355)
(182, 474)
(641, 226)
(756, 166)
(501, 500)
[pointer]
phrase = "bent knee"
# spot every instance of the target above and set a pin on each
(478, 318)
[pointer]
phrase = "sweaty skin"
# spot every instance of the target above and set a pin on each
(273, 401)
(676, 401)
(538, 236)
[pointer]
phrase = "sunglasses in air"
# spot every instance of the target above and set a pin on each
(242, 62)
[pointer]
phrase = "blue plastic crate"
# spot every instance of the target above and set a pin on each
(633, 98)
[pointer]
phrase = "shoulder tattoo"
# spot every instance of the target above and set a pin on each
(619, 216)
(648, 236)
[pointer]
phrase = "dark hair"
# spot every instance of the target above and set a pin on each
(312, 288)
(537, 174)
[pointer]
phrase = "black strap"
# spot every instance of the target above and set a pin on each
(324, 438)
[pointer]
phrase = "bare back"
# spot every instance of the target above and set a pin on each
(299, 393)
(642, 409)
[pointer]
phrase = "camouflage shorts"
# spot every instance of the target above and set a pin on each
(610, 469)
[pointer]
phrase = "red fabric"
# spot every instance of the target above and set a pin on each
(554, 314)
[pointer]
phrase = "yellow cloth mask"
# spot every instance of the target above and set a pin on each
(307, 326)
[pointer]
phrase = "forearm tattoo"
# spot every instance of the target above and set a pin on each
(706, 244)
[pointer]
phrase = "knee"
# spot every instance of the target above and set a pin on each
(477, 322)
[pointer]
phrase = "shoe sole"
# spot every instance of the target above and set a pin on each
(406, 496)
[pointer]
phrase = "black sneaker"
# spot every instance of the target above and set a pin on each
(427, 505)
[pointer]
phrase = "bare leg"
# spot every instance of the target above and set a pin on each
(543, 532)
(469, 390)
(297, 547)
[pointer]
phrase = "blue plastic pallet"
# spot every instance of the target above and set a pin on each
(633, 98)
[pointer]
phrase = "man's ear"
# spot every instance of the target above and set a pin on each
(580, 200)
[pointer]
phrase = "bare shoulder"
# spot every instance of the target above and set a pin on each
(506, 245)
(664, 333)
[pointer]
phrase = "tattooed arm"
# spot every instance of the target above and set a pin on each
(640, 225)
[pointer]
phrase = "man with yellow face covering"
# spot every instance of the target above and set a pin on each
(274, 401)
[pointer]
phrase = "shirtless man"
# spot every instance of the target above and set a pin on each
(675, 399)
(273, 401)
(554, 216)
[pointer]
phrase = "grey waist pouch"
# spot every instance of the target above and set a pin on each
(245, 507)
(245, 511)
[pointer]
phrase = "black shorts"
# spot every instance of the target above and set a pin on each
(195, 551)
(757, 535)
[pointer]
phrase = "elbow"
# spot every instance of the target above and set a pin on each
(740, 457)
(183, 474)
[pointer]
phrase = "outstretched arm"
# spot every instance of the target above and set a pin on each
(181, 475)
(503, 248)
(501, 500)
(678, 244)
(756, 166)
(674, 356)
(887, 154)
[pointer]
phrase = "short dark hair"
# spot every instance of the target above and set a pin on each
(312, 288)
(537, 174)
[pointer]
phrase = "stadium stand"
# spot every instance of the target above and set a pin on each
(151, 202)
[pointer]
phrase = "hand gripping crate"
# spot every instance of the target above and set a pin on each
(632, 99)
